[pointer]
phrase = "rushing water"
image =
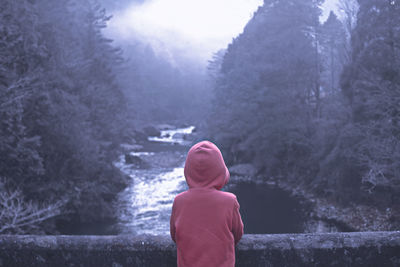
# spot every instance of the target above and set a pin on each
(144, 207)
(173, 135)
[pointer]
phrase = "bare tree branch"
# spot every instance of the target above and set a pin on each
(20, 216)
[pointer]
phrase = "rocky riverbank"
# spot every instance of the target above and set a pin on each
(323, 214)
(153, 160)
(94, 210)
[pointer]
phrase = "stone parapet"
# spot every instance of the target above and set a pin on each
(322, 249)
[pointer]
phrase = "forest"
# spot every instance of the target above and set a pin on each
(313, 104)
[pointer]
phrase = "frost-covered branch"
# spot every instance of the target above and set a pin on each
(20, 216)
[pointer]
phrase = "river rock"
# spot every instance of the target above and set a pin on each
(151, 131)
(140, 136)
(135, 160)
(166, 159)
(131, 147)
(190, 137)
(245, 169)
(165, 127)
(129, 137)
(179, 136)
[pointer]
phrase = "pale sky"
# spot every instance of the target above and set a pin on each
(327, 7)
(194, 29)
(191, 28)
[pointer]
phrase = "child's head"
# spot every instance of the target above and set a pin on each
(205, 167)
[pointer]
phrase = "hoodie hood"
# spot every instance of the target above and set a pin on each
(205, 167)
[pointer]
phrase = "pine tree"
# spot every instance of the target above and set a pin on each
(267, 92)
(333, 41)
(371, 83)
(61, 110)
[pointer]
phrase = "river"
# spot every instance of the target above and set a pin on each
(144, 207)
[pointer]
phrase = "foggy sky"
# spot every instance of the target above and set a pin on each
(186, 29)
(327, 7)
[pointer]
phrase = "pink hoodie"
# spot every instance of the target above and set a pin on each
(205, 222)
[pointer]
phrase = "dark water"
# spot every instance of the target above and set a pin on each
(267, 210)
(144, 207)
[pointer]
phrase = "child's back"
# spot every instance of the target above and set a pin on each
(205, 222)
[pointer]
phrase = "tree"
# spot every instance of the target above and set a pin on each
(19, 149)
(333, 44)
(348, 10)
(372, 86)
(62, 112)
(18, 216)
(266, 94)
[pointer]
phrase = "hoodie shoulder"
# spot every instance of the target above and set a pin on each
(228, 194)
(180, 195)
(216, 195)
(232, 198)
(229, 197)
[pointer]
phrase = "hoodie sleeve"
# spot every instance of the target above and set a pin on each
(237, 224)
(172, 222)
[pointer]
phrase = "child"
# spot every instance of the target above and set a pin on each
(205, 222)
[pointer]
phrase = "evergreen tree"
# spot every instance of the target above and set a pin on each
(333, 41)
(62, 113)
(371, 83)
(19, 156)
(267, 92)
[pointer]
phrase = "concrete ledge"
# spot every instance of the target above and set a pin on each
(327, 249)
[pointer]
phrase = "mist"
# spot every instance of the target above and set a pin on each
(183, 30)
(100, 102)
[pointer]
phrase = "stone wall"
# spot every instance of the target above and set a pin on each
(325, 249)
